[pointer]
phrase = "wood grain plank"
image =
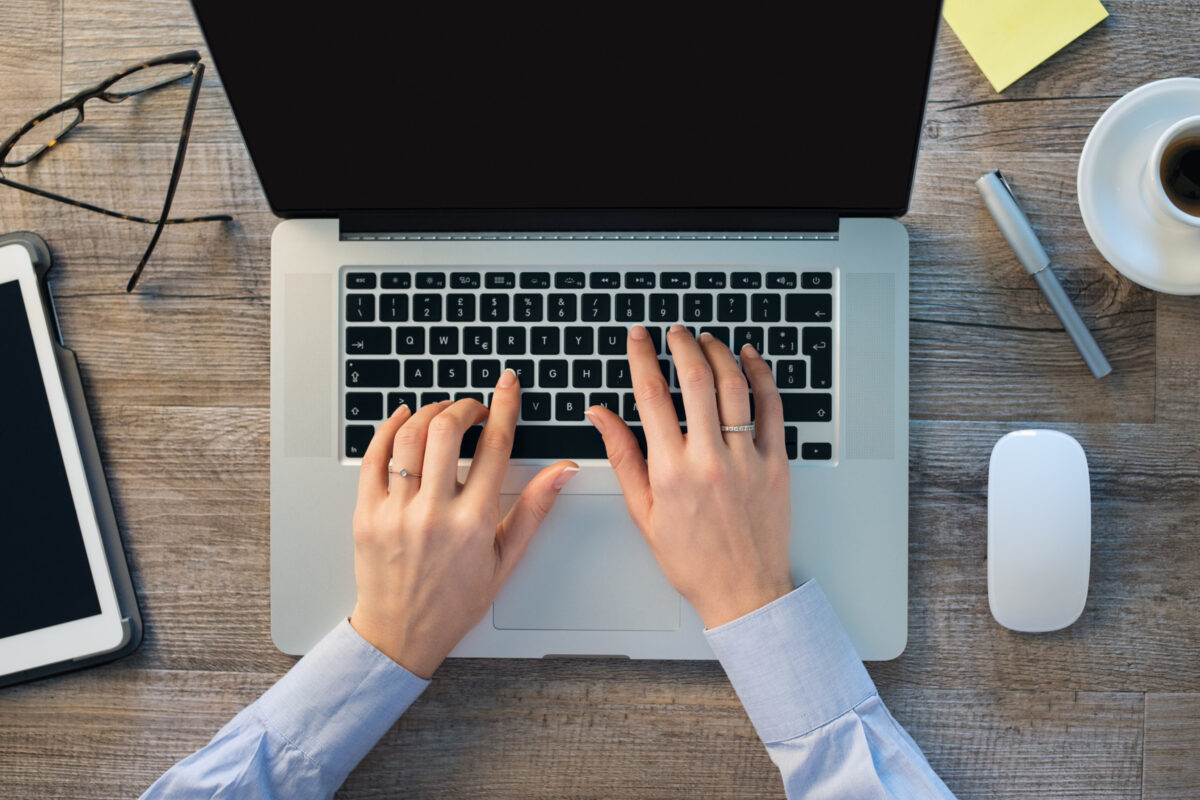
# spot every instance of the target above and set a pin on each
(1172, 748)
(30, 61)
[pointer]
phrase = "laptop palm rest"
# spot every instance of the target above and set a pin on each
(583, 572)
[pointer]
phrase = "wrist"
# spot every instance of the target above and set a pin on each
(734, 605)
(388, 639)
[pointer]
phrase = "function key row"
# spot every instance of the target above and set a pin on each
(597, 280)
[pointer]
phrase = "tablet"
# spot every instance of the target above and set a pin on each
(64, 603)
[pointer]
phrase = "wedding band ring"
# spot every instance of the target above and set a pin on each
(403, 473)
(737, 428)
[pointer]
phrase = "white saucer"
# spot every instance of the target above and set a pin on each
(1153, 250)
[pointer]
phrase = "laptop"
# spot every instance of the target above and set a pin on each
(463, 192)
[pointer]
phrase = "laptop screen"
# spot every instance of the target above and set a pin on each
(437, 106)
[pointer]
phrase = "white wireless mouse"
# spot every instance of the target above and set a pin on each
(1039, 531)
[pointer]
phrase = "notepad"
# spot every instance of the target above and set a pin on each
(1007, 38)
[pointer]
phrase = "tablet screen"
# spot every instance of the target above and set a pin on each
(45, 578)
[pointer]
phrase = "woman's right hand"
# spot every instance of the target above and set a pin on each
(714, 507)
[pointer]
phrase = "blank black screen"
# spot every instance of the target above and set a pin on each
(577, 106)
(45, 578)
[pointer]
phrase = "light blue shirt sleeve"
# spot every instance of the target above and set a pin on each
(306, 733)
(815, 707)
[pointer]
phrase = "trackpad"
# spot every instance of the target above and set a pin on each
(587, 568)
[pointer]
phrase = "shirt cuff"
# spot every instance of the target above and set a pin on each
(338, 700)
(791, 664)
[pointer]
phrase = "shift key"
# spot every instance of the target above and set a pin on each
(373, 372)
(807, 407)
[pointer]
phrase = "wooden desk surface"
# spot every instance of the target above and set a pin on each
(177, 378)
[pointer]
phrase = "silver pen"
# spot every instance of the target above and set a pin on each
(999, 199)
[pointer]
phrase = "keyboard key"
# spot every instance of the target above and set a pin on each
(418, 373)
(664, 366)
(586, 375)
(710, 280)
(816, 451)
(410, 341)
(477, 341)
(629, 411)
(552, 441)
(783, 342)
(677, 399)
(393, 308)
(631, 308)
(443, 341)
(675, 280)
(429, 398)
(364, 405)
(639, 280)
(803, 407)
(750, 336)
(809, 308)
(460, 308)
(357, 439)
(746, 280)
(535, 280)
(485, 373)
(500, 280)
(610, 400)
(611, 341)
(527, 308)
(552, 374)
(360, 280)
(718, 332)
(817, 340)
(790, 374)
(368, 341)
(510, 341)
(427, 308)
(464, 280)
(781, 280)
(373, 372)
(578, 341)
(618, 375)
(396, 280)
(816, 280)
(535, 407)
(568, 407)
(656, 336)
(764, 308)
(731, 308)
(697, 307)
(595, 308)
(431, 280)
(524, 369)
(544, 342)
(493, 308)
(569, 280)
(476, 396)
(560, 308)
(452, 373)
(397, 399)
(790, 438)
(605, 280)
(822, 370)
(664, 308)
(360, 308)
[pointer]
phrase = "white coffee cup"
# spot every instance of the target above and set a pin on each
(1156, 194)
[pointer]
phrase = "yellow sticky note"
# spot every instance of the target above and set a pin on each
(1007, 38)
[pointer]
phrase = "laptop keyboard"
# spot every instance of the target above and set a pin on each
(417, 336)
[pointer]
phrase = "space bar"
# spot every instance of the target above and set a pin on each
(552, 441)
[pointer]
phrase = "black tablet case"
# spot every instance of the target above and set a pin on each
(114, 553)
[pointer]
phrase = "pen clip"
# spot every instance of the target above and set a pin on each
(1004, 181)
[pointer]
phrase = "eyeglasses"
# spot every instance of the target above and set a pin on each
(40, 135)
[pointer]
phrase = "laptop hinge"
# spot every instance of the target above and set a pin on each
(522, 224)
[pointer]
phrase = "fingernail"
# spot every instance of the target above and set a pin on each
(638, 332)
(595, 420)
(507, 379)
(676, 328)
(748, 350)
(401, 407)
(564, 476)
(706, 337)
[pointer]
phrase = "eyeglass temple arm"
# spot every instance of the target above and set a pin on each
(99, 210)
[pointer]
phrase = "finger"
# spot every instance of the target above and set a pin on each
(696, 382)
(733, 394)
(627, 462)
(650, 389)
(408, 449)
(440, 469)
(768, 408)
(522, 520)
(373, 475)
(496, 442)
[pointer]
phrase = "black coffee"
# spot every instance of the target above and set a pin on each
(1180, 172)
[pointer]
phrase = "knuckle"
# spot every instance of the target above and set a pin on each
(732, 384)
(443, 425)
(650, 392)
(373, 460)
(696, 375)
(494, 442)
